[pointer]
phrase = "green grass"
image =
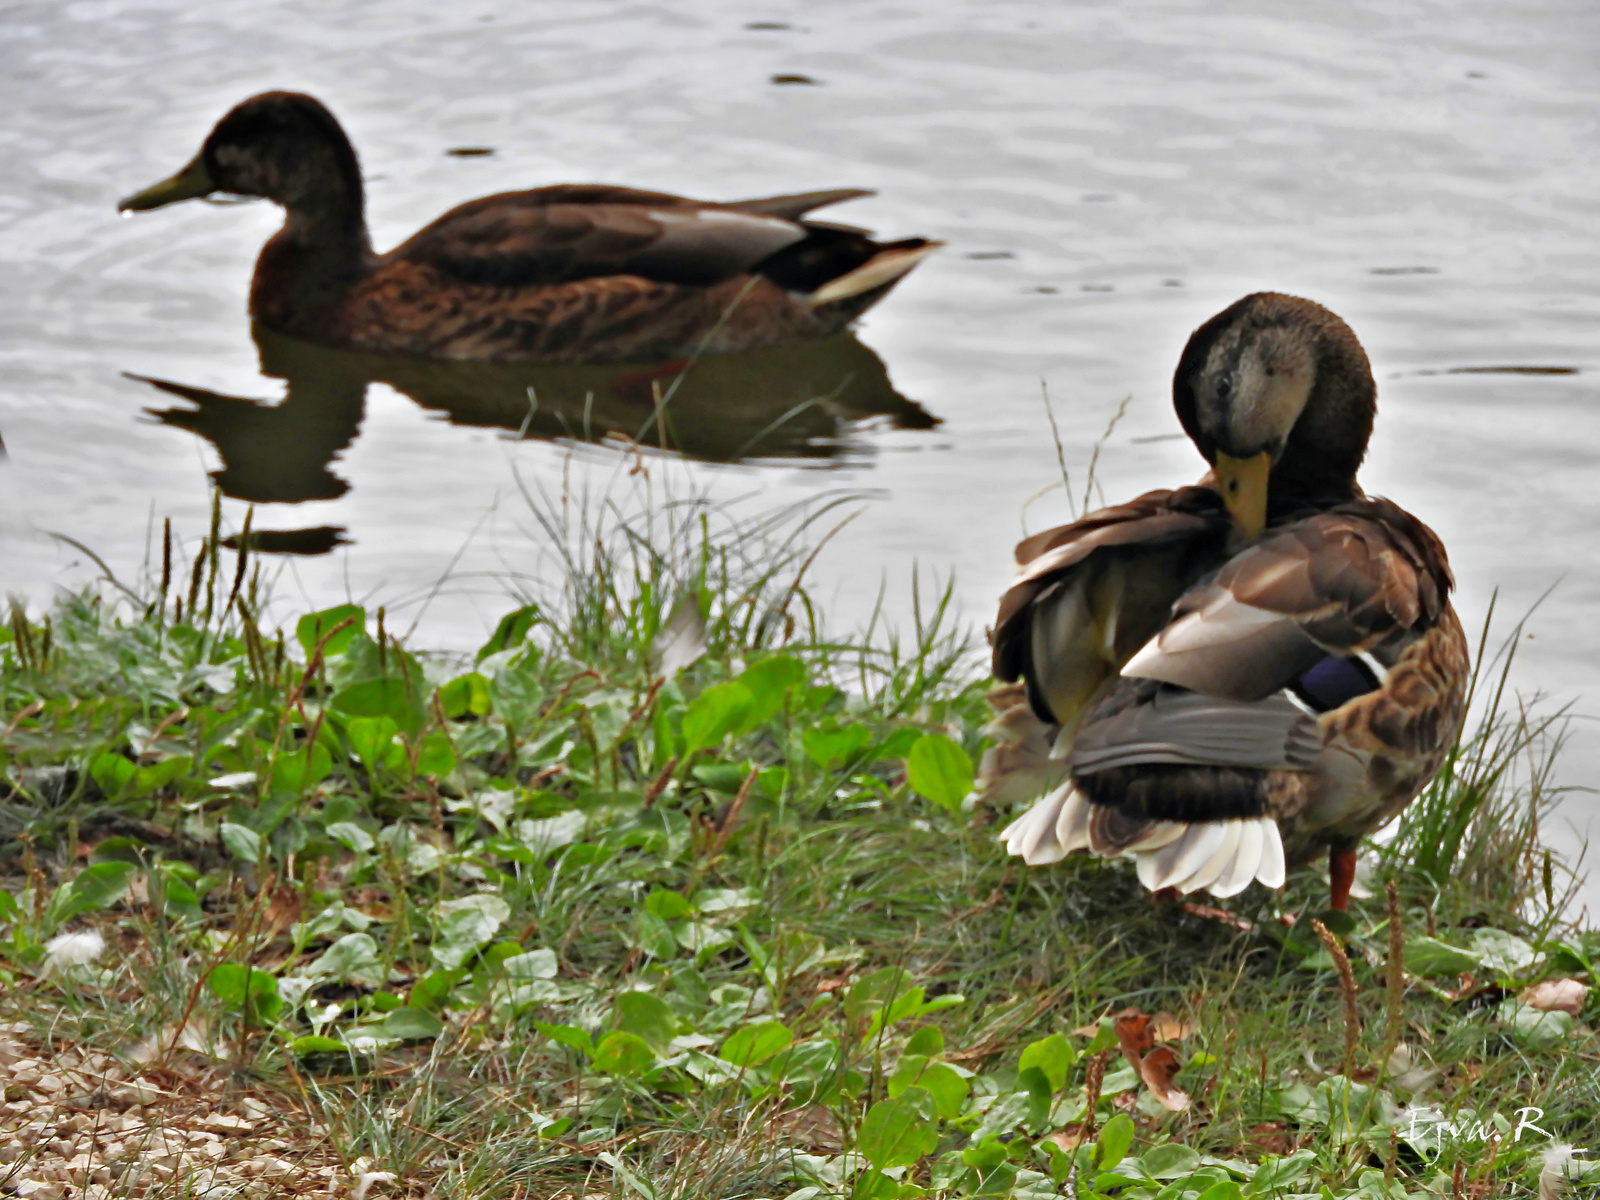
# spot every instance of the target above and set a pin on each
(545, 924)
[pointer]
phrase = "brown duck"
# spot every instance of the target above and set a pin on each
(1229, 678)
(571, 273)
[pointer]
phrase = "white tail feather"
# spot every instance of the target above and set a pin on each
(1221, 859)
(1032, 836)
(1245, 861)
(1176, 862)
(1072, 826)
(881, 269)
(1272, 870)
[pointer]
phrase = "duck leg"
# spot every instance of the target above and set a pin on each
(1341, 875)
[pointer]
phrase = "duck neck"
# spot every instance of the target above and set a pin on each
(323, 249)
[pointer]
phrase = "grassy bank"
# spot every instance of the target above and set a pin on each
(668, 892)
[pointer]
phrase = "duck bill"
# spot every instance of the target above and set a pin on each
(194, 180)
(1243, 483)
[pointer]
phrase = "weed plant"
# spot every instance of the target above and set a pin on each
(670, 892)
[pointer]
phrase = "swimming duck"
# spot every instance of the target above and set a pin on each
(1227, 679)
(571, 273)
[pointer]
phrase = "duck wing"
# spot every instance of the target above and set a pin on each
(1091, 594)
(561, 234)
(1357, 579)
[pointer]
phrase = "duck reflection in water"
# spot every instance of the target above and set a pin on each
(798, 402)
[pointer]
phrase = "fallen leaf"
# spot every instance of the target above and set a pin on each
(1070, 1138)
(1155, 1065)
(1169, 1028)
(1557, 995)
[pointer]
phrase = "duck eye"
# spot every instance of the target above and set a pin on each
(1224, 387)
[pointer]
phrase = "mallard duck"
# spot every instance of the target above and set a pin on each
(1227, 679)
(571, 273)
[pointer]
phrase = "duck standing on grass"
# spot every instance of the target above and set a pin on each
(1228, 678)
(564, 274)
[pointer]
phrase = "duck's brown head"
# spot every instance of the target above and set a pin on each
(1278, 395)
(283, 146)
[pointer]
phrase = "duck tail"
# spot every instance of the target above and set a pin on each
(875, 276)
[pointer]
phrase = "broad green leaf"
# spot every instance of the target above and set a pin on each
(392, 696)
(241, 841)
(1112, 1146)
(668, 905)
(623, 1053)
(769, 681)
(114, 773)
(535, 964)
(647, 1017)
(826, 747)
(1171, 1161)
(372, 740)
(567, 1035)
(353, 958)
(898, 1132)
(436, 756)
(715, 713)
(940, 770)
(944, 1083)
(297, 773)
(1053, 1055)
(313, 627)
(100, 885)
(465, 696)
(410, 1023)
(155, 777)
(253, 992)
(351, 836)
(927, 1041)
(511, 631)
(871, 992)
(755, 1043)
(385, 1002)
(1276, 1174)
(874, 1185)
(985, 1155)
(461, 926)
(312, 1044)
(433, 989)
(1429, 956)
(1036, 1112)
(653, 936)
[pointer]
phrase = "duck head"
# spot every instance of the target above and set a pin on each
(1277, 394)
(283, 146)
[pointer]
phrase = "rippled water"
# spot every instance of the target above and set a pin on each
(1107, 175)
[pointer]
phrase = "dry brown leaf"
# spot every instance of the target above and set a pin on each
(1557, 995)
(1169, 1028)
(1155, 1065)
(1085, 1031)
(1070, 1138)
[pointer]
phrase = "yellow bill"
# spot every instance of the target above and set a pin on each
(194, 180)
(1243, 483)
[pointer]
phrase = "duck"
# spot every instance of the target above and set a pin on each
(562, 274)
(1225, 680)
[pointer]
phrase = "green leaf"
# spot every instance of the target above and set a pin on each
(927, 1041)
(1112, 1146)
(871, 992)
(755, 1043)
(155, 777)
(253, 992)
(898, 1132)
(940, 770)
(726, 778)
(944, 1083)
(461, 926)
(825, 747)
(769, 681)
(647, 1017)
(465, 696)
(241, 841)
(567, 1035)
(1429, 956)
(312, 1044)
(1036, 1112)
(114, 773)
(353, 958)
(410, 1023)
(312, 627)
(1053, 1055)
(653, 936)
(1171, 1161)
(351, 836)
(385, 1002)
(985, 1155)
(1276, 1174)
(715, 713)
(436, 756)
(535, 964)
(1225, 1189)
(372, 740)
(874, 1185)
(392, 696)
(433, 989)
(668, 905)
(511, 631)
(297, 773)
(100, 885)
(623, 1053)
